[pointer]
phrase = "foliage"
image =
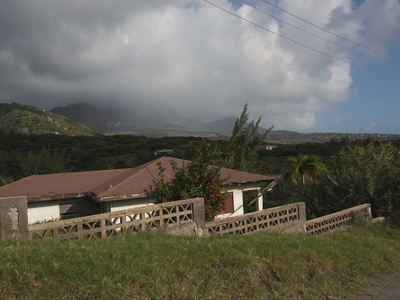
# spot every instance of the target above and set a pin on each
(84, 153)
(199, 178)
(16, 165)
(5, 180)
(301, 167)
(299, 184)
(357, 175)
(245, 142)
(360, 219)
(343, 188)
(47, 161)
(369, 174)
(318, 201)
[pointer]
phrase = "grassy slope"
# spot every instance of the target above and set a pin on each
(273, 266)
(14, 117)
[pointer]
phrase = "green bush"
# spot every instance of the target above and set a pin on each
(360, 219)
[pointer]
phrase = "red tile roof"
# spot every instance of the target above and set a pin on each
(108, 184)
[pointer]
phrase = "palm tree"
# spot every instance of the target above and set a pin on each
(301, 166)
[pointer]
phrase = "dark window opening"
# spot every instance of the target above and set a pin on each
(78, 209)
(228, 205)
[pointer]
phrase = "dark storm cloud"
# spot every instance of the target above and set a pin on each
(184, 54)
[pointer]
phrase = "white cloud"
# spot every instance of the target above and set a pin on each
(186, 54)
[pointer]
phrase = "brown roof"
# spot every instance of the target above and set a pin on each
(107, 184)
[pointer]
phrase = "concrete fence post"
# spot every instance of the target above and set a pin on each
(369, 212)
(14, 218)
(301, 206)
(199, 216)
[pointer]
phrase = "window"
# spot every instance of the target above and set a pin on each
(78, 209)
(228, 205)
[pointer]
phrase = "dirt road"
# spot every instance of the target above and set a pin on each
(386, 287)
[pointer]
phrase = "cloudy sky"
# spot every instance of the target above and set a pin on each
(206, 61)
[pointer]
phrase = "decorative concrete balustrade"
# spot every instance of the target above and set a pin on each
(179, 217)
(287, 218)
(335, 221)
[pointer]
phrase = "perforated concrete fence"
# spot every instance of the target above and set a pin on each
(180, 217)
(185, 217)
(287, 218)
(335, 221)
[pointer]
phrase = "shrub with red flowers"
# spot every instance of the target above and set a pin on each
(199, 178)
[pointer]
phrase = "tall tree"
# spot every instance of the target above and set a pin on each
(245, 142)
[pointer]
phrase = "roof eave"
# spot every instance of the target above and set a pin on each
(248, 181)
(120, 197)
(55, 197)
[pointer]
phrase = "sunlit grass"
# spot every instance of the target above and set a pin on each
(273, 266)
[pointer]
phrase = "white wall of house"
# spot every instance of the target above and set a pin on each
(238, 205)
(128, 204)
(238, 208)
(43, 211)
(50, 210)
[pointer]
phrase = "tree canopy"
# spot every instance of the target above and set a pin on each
(300, 166)
(369, 174)
(199, 178)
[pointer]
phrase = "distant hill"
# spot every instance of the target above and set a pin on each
(140, 118)
(143, 120)
(222, 125)
(147, 121)
(16, 118)
(93, 117)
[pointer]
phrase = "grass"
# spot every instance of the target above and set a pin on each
(264, 266)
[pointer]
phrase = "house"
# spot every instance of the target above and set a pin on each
(270, 147)
(76, 194)
(163, 151)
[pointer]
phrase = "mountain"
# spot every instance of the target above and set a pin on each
(144, 120)
(140, 119)
(222, 125)
(16, 118)
(95, 118)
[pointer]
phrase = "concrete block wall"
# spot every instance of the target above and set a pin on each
(14, 218)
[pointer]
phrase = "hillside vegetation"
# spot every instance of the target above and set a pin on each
(24, 155)
(263, 266)
(16, 118)
(84, 153)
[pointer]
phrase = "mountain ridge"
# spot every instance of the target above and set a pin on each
(17, 118)
(162, 121)
(140, 119)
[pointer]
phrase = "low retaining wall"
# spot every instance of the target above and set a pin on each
(178, 217)
(335, 221)
(287, 218)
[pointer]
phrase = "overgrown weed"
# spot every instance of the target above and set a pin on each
(156, 266)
